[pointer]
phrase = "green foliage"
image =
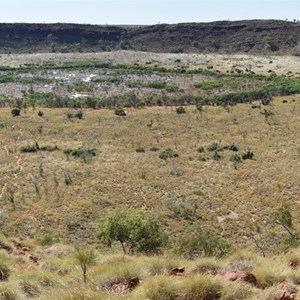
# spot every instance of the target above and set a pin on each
(180, 110)
(248, 154)
(168, 153)
(283, 216)
(235, 158)
(15, 112)
(154, 149)
(36, 147)
(232, 147)
(30, 148)
(4, 271)
(200, 149)
(213, 147)
(216, 156)
(202, 243)
(120, 112)
(85, 154)
(79, 114)
(49, 239)
(85, 258)
(140, 149)
(137, 231)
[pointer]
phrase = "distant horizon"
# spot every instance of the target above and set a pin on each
(204, 22)
(145, 12)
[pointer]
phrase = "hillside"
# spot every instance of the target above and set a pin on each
(255, 36)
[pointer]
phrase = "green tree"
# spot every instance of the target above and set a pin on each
(137, 231)
(85, 258)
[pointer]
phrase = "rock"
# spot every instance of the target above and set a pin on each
(34, 259)
(238, 275)
(132, 283)
(124, 286)
(6, 247)
(293, 265)
(177, 272)
(286, 296)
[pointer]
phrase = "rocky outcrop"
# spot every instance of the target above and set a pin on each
(251, 36)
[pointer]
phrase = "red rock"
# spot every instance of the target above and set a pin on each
(286, 296)
(293, 265)
(34, 259)
(238, 275)
(177, 272)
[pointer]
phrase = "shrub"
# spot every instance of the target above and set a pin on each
(15, 112)
(235, 158)
(30, 148)
(40, 113)
(201, 149)
(135, 230)
(48, 148)
(180, 110)
(213, 147)
(248, 154)
(120, 112)
(202, 244)
(80, 153)
(140, 150)
(79, 114)
(216, 156)
(231, 148)
(154, 149)
(168, 153)
(48, 240)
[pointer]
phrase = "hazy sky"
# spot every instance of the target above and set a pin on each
(145, 12)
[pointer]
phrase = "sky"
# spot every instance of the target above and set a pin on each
(144, 12)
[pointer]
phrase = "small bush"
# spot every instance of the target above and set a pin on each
(201, 149)
(120, 112)
(79, 114)
(15, 112)
(40, 113)
(248, 154)
(48, 148)
(140, 150)
(154, 149)
(216, 156)
(213, 147)
(202, 244)
(168, 153)
(235, 158)
(30, 148)
(231, 148)
(80, 153)
(180, 110)
(48, 240)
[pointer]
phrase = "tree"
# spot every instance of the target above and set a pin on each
(85, 258)
(137, 231)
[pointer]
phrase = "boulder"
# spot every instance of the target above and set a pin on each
(238, 275)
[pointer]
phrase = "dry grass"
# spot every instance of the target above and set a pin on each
(118, 176)
(260, 65)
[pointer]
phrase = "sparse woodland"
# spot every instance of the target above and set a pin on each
(101, 152)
